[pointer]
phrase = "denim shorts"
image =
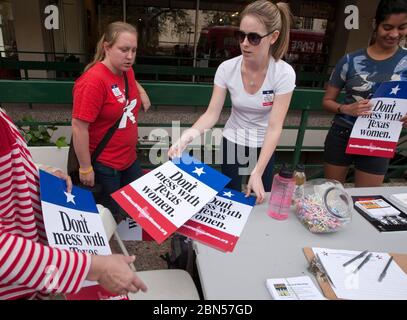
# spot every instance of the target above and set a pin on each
(334, 153)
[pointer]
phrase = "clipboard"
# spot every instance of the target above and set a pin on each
(324, 284)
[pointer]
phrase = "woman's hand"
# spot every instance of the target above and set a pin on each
(60, 174)
(360, 108)
(178, 147)
(404, 120)
(145, 101)
(256, 184)
(113, 272)
(87, 177)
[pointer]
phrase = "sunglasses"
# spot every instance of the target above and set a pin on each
(253, 37)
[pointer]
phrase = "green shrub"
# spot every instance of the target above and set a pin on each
(39, 135)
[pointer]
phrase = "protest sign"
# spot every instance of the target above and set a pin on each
(163, 199)
(72, 222)
(377, 134)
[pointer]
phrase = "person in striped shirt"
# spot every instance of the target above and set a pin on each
(25, 257)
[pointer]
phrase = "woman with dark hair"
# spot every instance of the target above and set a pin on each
(260, 84)
(360, 73)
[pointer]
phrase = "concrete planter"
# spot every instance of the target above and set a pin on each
(50, 155)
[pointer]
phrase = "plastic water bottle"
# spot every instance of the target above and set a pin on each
(281, 194)
(300, 179)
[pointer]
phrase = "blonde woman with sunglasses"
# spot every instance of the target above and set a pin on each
(260, 84)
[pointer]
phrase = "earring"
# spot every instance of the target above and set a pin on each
(373, 37)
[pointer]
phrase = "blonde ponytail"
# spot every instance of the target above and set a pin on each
(280, 47)
(99, 55)
(110, 36)
(274, 17)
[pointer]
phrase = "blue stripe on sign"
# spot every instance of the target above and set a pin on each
(202, 172)
(53, 191)
(237, 196)
(392, 89)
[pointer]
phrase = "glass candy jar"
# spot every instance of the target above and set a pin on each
(325, 206)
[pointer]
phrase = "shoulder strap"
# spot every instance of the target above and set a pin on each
(111, 131)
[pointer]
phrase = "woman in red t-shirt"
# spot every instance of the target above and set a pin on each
(99, 100)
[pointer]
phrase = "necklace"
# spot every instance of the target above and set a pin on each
(252, 82)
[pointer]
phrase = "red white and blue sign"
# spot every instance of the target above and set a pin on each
(377, 134)
(72, 222)
(165, 198)
(220, 223)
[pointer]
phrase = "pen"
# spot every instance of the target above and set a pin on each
(324, 271)
(384, 272)
(360, 255)
(362, 263)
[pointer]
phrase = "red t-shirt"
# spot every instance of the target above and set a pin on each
(99, 98)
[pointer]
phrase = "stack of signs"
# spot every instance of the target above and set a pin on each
(377, 134)
(72, 222)
(130, 230)
(165, 198)
(220, 223)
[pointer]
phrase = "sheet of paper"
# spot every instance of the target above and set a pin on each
(400, 200)
(295, 288)
(377, 208)
(363, 284)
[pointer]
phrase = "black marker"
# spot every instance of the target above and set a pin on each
(360, 255)
(362, 263)
(384, 272)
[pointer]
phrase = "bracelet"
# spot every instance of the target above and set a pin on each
(339, 108)
(81, 171)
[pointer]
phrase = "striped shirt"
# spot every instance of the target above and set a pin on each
(29, 268)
